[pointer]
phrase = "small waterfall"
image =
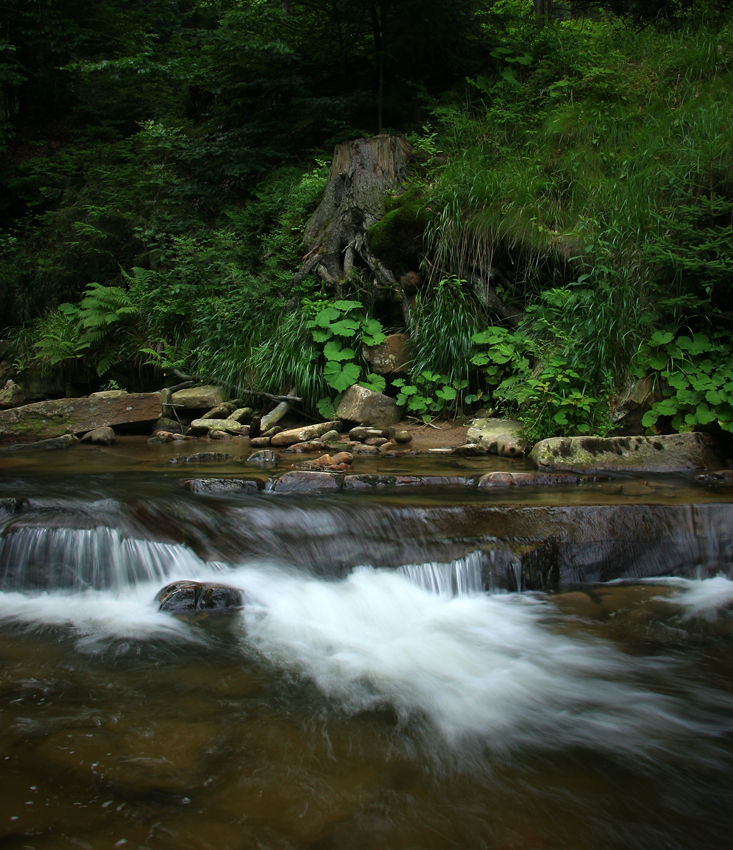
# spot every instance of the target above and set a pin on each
(45, 559)
(455, 578)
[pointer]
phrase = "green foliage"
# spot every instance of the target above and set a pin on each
(334, 323)
(94, 326)
(443, 323)
(696, 374)
(430, 394)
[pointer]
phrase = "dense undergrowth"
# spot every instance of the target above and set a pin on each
(584, 176)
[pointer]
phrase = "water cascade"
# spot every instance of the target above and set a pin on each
(429, 669)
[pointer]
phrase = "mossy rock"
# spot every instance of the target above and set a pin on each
(397, 238)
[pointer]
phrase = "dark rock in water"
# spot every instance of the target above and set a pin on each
(202, 457)
(194, 597)
(259, 442)
(301, 482)
(470, 450)
(103, 436)
(533, 479)
(11, 505)
(220, 485)
(167, 424)
(262, 458)
(43, 445)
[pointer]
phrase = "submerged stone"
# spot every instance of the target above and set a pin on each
(306, 481)
(220, 485)
(53, 444)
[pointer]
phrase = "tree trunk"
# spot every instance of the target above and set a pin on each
(362, 173)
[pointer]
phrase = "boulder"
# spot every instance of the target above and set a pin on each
(259, 442)
(274, 416)
(166, 424)
(64, 442)
(498, 436)
(359, 404)
(205, 426)
(302, 435)
(218, 435)
(221, 411)
(402, 437)
(243, 415)
(633, 402)
(103, 436)
(391, 355)
(209, 486)
(668, 453)
(198, 398)
(192, 597)
(11, 395)
(304, 482)
(308, 446)
(78, 415)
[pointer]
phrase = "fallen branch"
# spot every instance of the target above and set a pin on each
(190, 380)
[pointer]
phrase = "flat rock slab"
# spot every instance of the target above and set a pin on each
(668, 453)
(214, 486)
(231, 426)
(498, 436)
(304, 434)
(54, 418)
(52, 444)
(304, 482)
(197, 398)
(536, 479)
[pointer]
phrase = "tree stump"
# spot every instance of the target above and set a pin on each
(362, 173)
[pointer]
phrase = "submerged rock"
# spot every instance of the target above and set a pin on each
(53, 444)
(220, 485)
(668, 453)
(202, 457)
(307, 481)
(193, 597)
(265, 457)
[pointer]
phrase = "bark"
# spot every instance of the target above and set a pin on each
(362, 173)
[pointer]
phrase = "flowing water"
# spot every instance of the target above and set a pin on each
(384, 686)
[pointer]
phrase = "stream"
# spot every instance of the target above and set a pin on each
(417, 667)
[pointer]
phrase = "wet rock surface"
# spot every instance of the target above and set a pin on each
(198, 398)
(53, 444)
(193, 597)
(47, 419)
(367, 407)
(667, 453)
(501, 437)
(306, 481)
(216, 486)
